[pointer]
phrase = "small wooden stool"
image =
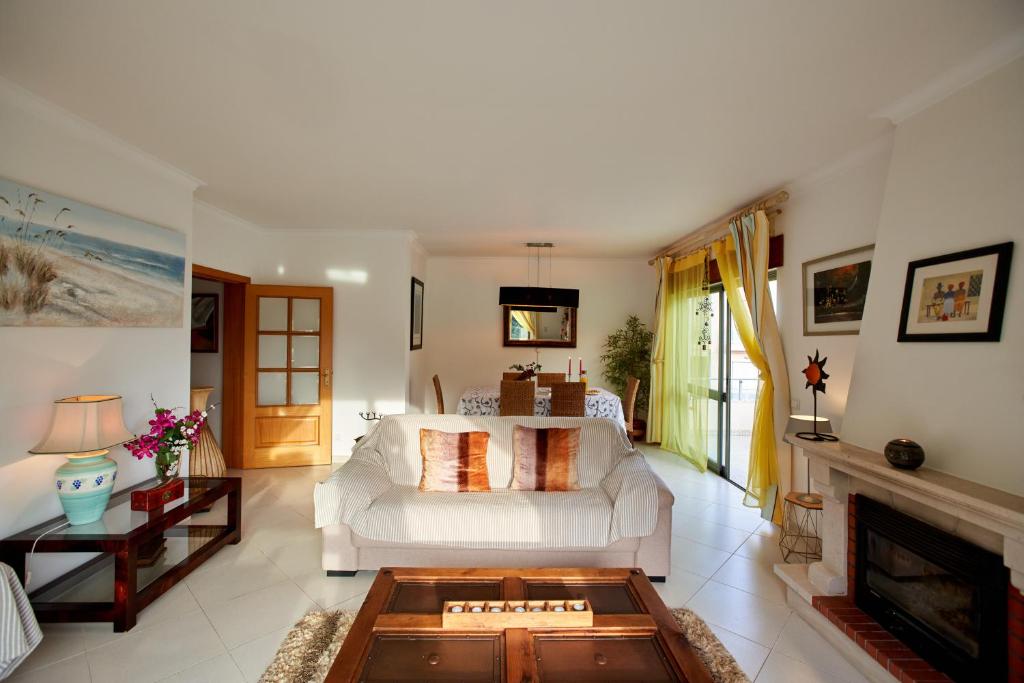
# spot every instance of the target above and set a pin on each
(800, 514)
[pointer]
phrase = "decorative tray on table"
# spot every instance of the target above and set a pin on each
(502, 614)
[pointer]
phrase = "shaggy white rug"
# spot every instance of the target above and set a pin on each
(309, 650)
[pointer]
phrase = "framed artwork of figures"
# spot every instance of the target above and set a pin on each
(835, 290)
(956, 297)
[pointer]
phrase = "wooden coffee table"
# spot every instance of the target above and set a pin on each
(398, 636)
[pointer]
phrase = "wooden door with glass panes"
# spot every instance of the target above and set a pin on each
(287, 377)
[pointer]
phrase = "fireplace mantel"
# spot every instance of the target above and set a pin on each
(985, 506)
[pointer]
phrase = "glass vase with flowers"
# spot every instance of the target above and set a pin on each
(168, 438)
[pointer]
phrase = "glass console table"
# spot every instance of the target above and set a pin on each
(113, 586)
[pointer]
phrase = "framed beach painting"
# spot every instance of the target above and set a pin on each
(67, 264)
(956, 297)
(416, 316)
(835, 290)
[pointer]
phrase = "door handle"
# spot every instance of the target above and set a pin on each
(327, 378)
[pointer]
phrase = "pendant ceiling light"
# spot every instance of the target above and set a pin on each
(535, 297)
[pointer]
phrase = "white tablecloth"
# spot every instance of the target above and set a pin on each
(19, 632)
(485, 401)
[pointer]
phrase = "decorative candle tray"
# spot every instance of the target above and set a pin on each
(502, 614)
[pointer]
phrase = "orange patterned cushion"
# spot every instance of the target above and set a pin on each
(454, 462)
(545, 459)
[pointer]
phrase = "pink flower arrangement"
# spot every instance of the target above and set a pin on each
(169, 436)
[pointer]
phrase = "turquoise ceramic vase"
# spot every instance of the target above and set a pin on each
(84, 485)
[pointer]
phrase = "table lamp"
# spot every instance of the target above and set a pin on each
(83, 428)
(815, 426)
(809, 423)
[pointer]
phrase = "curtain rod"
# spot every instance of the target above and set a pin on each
(717, 229)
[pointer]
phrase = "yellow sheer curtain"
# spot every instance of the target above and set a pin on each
(743, 263)
(684, 365)
(526, 321)
(655, 403)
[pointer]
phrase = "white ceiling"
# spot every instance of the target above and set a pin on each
(608, 127)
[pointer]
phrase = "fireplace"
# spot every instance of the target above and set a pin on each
(941, 596)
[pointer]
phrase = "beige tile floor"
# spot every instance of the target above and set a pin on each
(226, 620)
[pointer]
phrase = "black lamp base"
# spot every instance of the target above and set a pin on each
(815, 436)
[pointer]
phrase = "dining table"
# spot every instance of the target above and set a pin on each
(486, 400)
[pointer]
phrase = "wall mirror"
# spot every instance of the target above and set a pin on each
(547, 326)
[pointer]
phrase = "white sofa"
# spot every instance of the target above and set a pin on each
(373, 515)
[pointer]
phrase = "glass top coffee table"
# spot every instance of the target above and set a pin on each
(401, 635)
(115, 586)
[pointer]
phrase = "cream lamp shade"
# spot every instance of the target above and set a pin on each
(84, 424)
(805, 423)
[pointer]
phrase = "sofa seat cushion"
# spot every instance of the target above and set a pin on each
(500, 519)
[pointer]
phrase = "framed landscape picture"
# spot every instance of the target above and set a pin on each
(64, 263)
(835, 289)
(416, 316)
(956, 297)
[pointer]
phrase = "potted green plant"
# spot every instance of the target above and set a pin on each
(627, 352)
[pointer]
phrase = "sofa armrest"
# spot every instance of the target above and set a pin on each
(636, 494)
(348, 492)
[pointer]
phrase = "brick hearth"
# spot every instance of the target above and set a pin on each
(1015, 627)
(885, 648)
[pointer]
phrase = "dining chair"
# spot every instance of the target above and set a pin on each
(516, 398)
(629, 408)
(510, 375)
(569, 399)
(549, 379)
(440, 396)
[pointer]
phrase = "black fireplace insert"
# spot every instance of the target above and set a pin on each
(944, 597)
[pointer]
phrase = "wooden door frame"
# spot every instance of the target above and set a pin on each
(232, 348)
(249, 371)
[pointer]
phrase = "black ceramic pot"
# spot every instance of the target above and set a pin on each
(904, 454)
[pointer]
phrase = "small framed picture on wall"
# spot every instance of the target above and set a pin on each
(835, 289)
(956, 297)
(204, 323)
(416, 316)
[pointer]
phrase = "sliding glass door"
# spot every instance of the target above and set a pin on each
(733, 391)
(718, 413)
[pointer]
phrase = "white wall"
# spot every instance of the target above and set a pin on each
(955, 182)
(462, 332)
(46, 148)
(207, 369)
(830, 211)
(224, 241)
(369, 271)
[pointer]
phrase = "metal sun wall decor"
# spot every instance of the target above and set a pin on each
(815, 375)
(704, 308)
